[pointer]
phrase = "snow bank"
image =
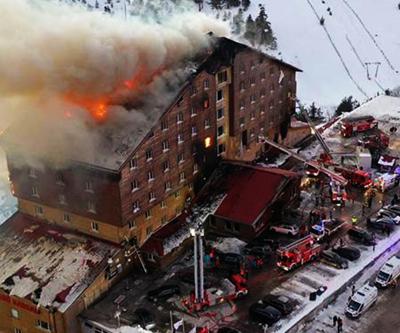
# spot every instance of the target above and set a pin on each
(229, 244)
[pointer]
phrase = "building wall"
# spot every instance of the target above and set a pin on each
(295, 135)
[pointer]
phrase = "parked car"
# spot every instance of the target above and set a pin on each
(144, 318)
(331, 258)
(257, 250)
(394, 208)
(361, 236)
(282, 303)
(228, 330)
(393, 216)
(380, 223)
(163, 292)
(348, 252)
(230, 260)
(287, 229)
(264, 314)
(266, 241)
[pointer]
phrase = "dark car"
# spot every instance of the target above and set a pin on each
(257, 250)
(389, 215)
(144, 318)
(380, 223)
(348, 252)
(282, 303)
(264, 314)
(231, 260)
(163, 292)
(228, 330)
(265, 241)
(333, 259)
(361, 236)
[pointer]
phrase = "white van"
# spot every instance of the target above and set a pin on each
(362, 299)
(389, 272)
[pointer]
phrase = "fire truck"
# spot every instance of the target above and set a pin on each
(353, 125)
(378, 140)
(356, 177)
(298, 253)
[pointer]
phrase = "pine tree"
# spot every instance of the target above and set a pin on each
(232, 3)
(238, 22)
(346, 105)
(245, 4)
(216, 4)
(200, 3)
(250, 33)
(314, 112)
(264, 33)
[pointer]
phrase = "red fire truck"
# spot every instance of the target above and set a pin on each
(356, 177)
(298, 253)
(352, 125)
(378, 140)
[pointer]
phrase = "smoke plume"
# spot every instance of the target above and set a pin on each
(58, 62)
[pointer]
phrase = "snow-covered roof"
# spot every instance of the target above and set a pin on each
(46, 264)
(382, 108)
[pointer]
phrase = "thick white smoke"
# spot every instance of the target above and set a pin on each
(54, 55)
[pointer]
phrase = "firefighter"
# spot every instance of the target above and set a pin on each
(354, 220)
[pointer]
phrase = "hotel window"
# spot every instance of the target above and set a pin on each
(222, 77)
(167, 186)
(242, 68)
(164, 125)
(194, 149)
(180, 138)
(195, 168)
(193, 111)
(252, 99)
(220, 95)
(14, 313)
(207, 123)
(252, 132)
(242, 85)
(220, 113)
(17, 330)
(206, 84)
(43, 325)
(32, 173)
(242, 104)
(271, 105)
(220, 130)
(150, 175)
(165, 145)
(194, 130)
(136, 206)
(149, 229)
(272, 88)
(38, 210)
(241, 121)
(252, 65)
(182, 177)
(179, 117)
(252, 115)
(164, 219)
(89, 186)
(206, 103)
(262, 92)
(178, 210)
(262, 109)
(35, 191)
(221, 148)
(180, 101)
(165, 166)
(262, 76)
(133, 163)
(61, 199)
(134, 185)
(60, 178)
(131, 224)
(180, 158)
(193, 90)
(149, 154)
(147, 214)
(252, 81)
(177, 194)
(67, 217)
(152, 196)
(95, 226)
(163, 204)
(91, 206)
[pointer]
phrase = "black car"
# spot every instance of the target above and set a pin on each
(348, 252)
(163, 292)
(282, 303)
(228, 330)
(390, 215)
(265, 241)
(257, 250)
(380, 223)
(264, 314)
(333, 259)
(361, 236)
(231, 260)
(142, 317)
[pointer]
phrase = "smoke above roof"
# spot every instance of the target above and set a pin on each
(59, 61)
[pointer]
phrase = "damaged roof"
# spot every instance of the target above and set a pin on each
(46, 264)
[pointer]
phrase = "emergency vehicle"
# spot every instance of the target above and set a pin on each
(378, 140)
(356, 177)
(298, 253)
(353, 125)
(386, 181)
(326, 228)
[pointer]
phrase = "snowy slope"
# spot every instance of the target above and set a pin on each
(303, 41)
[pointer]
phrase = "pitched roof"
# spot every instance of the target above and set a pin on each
(249, 191)
(47, 264)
